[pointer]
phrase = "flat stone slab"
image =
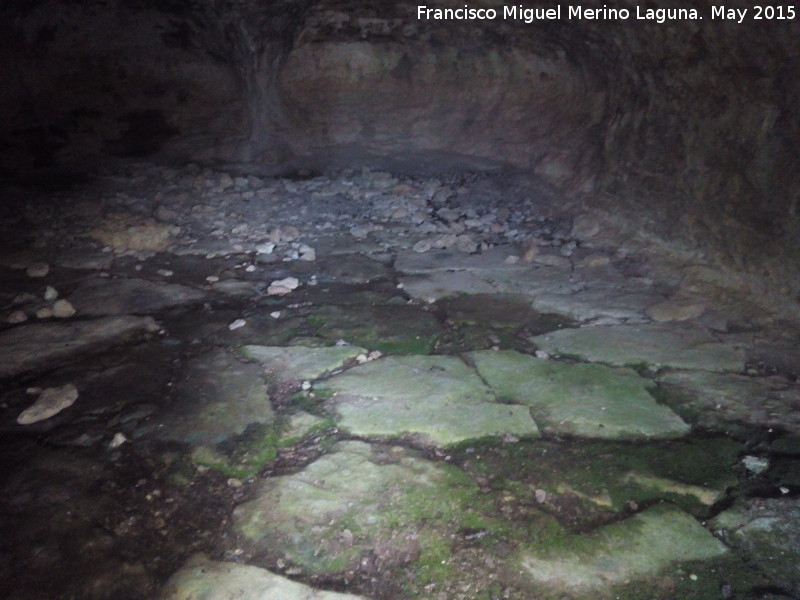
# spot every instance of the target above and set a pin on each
(733, 404)
(46, 345)
(293, 364)
(350, 268)
(679, 347)
(355, 501)
(222, 411)
(598, 305)
(101, 297)
(494, 259)
(434, 286)
(202, 578)
(437, 400)
(766, 530)
(535, 280)
(584, 400)
(633, 549)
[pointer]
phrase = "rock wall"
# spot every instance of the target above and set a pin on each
(689, 127)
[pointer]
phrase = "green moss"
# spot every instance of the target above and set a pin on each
(587, 482)
(243, 457)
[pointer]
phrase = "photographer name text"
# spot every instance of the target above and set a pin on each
(606, 13)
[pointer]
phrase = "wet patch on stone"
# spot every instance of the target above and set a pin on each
(104, 296)
(738, 405)
(221, 410)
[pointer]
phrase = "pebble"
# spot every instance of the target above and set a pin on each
(674, 310)
(422, 246)
(49, 403)
(165, 272)
(44, 313)
(281, 287)
(117, 441)
(37, 270)
(465, 243)
(62, 309)
(50, 293)
(238, 323)
(307, 253)
(265, 247)
(359, 232)
(17, 316)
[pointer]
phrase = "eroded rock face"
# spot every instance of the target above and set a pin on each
(691, 121)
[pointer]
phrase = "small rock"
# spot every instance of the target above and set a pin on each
(18, 316)
(595, 260)
(307, 253)
(281, 287)
(117, 441)
(165, 272)
(755, 464)
(446, 241)
(674, 310)
(552, 260)
(275, 314)
(265, 248)
(238, 323)
(422, 246)
(585, 227)
(37, 270)
(512, 259)
(212, 279)
(50, 293)
(44, 313)
(51, 402)
(359, 232)
(62, 309)
(541, 495)
(250, 268)
(465, 243)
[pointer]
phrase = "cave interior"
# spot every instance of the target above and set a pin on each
(337, 299)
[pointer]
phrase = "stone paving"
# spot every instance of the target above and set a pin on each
(366, 385)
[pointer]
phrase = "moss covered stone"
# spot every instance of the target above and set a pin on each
(437, 400)
(359, 500)
(585, 400)
(294, 364)
(635, 548)
(390, 329)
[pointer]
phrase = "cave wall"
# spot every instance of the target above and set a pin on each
(691, 128)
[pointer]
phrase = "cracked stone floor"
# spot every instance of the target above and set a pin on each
(368, 385)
